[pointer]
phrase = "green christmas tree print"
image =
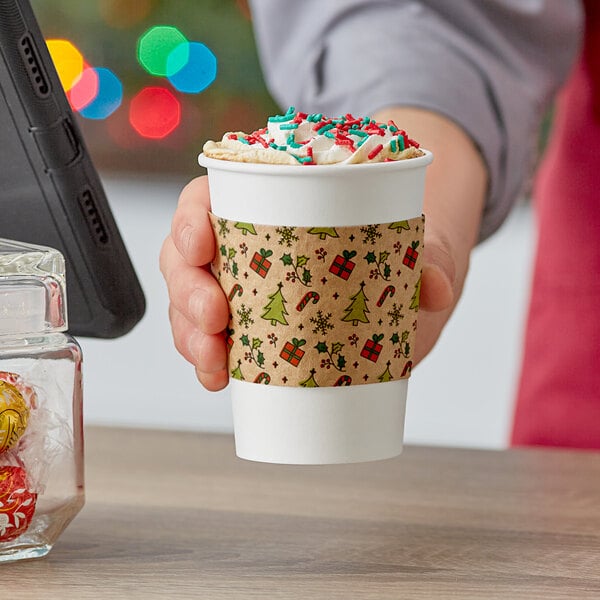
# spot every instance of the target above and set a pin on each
(275, 310)
(357, 310)
(310, 381)
(237, 372)
(323, 232)
(414, 301)
(399, 225)
(386, 375)
(246, 228)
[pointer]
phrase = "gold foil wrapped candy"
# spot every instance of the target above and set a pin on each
(14, 414)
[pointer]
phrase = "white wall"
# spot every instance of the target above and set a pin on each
(461, 395)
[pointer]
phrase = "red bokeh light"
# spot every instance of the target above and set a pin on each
(85, 88)
(154, 112)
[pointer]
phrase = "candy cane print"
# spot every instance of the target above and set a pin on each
(407, 368)
(236, 289)
(343, 380)
(263, 378)
(390, 290)
(307, 298)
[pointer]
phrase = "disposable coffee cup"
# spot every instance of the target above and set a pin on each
(335, 422)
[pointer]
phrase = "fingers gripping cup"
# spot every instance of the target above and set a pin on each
(319, 232)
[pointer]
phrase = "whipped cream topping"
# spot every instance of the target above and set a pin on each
(297, 138)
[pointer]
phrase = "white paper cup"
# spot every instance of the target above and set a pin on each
(324, 425)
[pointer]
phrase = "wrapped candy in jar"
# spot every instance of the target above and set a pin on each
(41, 434)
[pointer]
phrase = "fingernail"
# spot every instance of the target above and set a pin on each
(194, 344)
(196, 305)
(186, 237)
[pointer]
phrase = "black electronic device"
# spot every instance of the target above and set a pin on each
(50, 192)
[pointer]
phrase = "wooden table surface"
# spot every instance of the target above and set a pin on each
(176, 515)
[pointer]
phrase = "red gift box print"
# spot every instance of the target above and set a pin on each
(292, 352)
(410, 258)
(260, 263)
(342, 266)
(372, 348)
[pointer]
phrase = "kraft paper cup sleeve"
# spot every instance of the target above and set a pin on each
(320, 306)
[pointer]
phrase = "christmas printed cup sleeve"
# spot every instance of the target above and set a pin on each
(320, 306)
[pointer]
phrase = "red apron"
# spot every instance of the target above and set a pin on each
(558, 402)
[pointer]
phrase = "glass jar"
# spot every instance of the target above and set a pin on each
(41, 429)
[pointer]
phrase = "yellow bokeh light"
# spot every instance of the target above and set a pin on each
(67, 60)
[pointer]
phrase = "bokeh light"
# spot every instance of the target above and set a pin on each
(67, 60)
(108, 98)
(85, 89)
(197, 73)
(154, 112)
(125, 13)
(155, 46)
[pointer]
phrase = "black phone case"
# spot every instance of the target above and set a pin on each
(50, 192)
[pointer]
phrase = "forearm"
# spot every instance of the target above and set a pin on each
(455, 193)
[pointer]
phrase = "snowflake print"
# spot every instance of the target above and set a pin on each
(223, 229)
(244, 314)
(287, 236)
(371, 233)
(322, 322)
(395, 314)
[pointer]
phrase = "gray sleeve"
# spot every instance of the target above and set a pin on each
(492, 66)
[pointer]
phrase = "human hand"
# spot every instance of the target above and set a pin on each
(455, 192)
(454, 196)
(198, 308)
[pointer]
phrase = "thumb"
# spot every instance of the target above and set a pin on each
(438, 275)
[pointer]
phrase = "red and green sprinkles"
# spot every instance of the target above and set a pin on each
(345, 131)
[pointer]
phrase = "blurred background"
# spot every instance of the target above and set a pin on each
(149, 82)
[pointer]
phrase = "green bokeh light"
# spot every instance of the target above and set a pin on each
(154, 48)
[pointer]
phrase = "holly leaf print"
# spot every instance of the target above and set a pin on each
(223, 250)
(321, 347)
(256, 343)
(286, 259)
(245, 340)
(341, 362)
(387, 270)
(396, 338)
(306, 276)
(336, 347)
(407, 349)
(260, 358)
(405, 335)
(234, 269)
(383, 256)
(302, 260)
(370, 257)
(232, 252)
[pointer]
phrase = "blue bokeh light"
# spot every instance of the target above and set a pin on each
(199, 71)
(109, 97)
